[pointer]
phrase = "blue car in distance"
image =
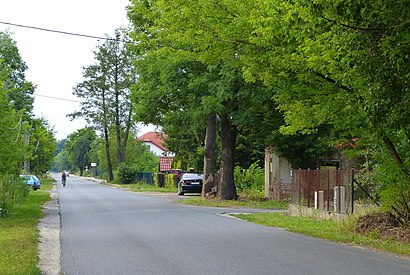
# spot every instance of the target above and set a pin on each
(31, 181)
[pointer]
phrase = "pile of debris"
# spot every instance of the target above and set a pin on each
(385, 226)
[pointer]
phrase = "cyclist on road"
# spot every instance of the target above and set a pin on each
(63, 178)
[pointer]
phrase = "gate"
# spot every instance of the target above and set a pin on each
(145, 177)
(327, 190)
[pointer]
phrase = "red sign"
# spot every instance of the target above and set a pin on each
(165, 163)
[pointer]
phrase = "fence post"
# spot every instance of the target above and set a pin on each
(328, 190)
(300, 188)
(352, 190)
(309, 176)
(338, 184)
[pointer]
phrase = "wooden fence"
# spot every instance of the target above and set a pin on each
(326, 190)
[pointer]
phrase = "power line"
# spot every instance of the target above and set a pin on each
(64, 32)
(58, 98)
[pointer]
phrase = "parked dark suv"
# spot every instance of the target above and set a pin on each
(190, 183)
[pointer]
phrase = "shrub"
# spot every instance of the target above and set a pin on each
(12, 191)
(170, 180)
(160, 179)
(251, 179)
(126, 174)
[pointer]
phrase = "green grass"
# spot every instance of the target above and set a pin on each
(343, 232)
(142, 187)
(246, 203)
(19, 234)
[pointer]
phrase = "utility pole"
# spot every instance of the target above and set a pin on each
(27, 154)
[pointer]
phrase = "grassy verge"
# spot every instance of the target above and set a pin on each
(246, 203)
(343, 232)
(142, 187)
(19, 234)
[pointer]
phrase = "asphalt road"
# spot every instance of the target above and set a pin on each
(105, 230)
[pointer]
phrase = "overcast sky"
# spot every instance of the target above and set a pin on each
(55, 60)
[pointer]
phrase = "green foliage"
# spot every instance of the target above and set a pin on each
(393, 188)
(106, 92)
(43, 145)
(15, 100)
(170, 181)
(11, 137)
(305, 150)
(62, 162)
(140, 158)
(78, 146)
(12, 191)
(249, 179)
(13, 68)
(338, 65)
(126, 174)
(159, 179)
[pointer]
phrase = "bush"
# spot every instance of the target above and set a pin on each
(170, 180)
(12, 191)
(126, 174)
(251, 179)
(160, 179)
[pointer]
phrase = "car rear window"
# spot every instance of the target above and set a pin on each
(192, 176)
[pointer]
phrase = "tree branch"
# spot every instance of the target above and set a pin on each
(331, 80)
(395, 155)
(357, 28)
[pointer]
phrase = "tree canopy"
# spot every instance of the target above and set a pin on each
(336, 65)
(25, 142)
(106, 93)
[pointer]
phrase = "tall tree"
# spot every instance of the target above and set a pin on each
(106, 89)
(11, 133)
(16, 106)
(20, 90)
(338, 63)
(218, 86)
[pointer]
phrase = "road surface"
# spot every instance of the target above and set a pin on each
(105, 230)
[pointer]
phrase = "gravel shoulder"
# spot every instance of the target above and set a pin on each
(49, 229)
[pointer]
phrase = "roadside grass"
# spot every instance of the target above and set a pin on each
(19, 234)
(241, 203)
(343, 232)
(143, 187)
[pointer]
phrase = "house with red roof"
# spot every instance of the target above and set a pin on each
(156, 143)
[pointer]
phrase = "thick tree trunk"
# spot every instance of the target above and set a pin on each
(209, 157)
(228, 139)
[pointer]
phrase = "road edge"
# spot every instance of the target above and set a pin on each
(49, 248)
